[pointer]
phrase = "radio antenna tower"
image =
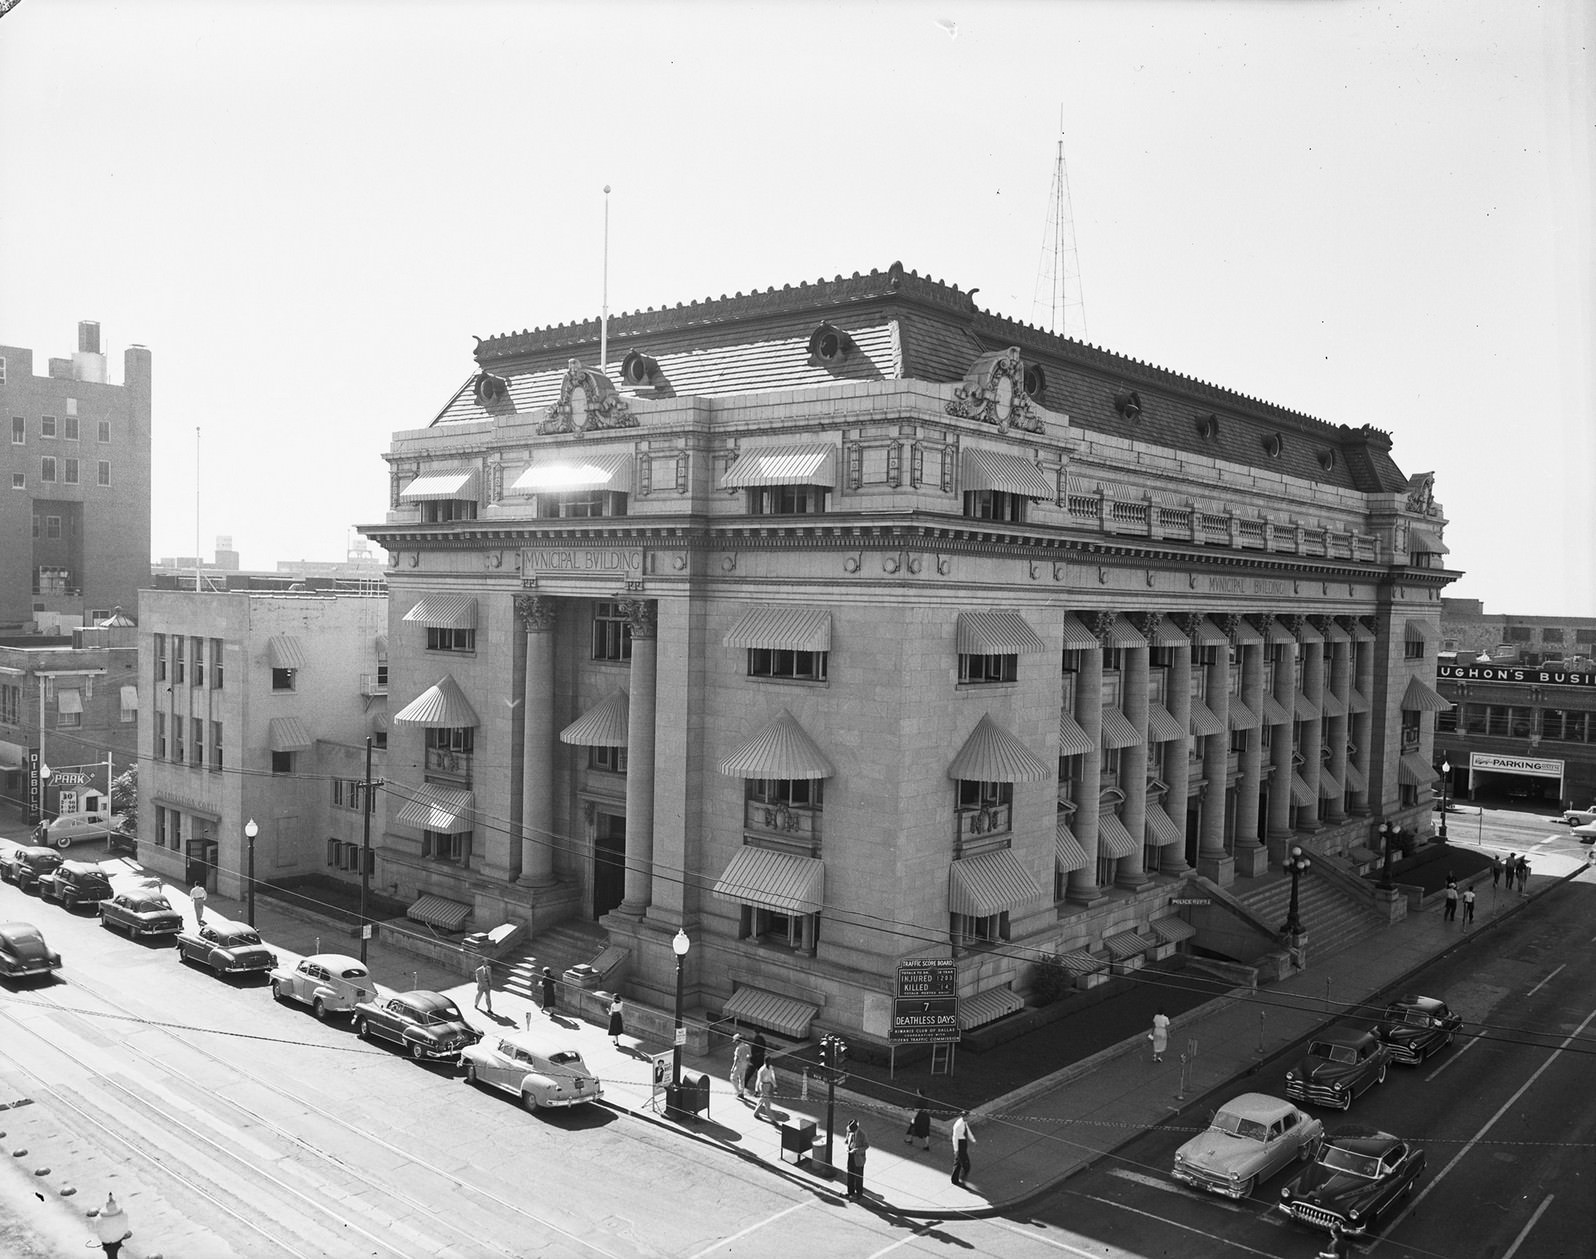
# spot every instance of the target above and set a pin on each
(1058, 274)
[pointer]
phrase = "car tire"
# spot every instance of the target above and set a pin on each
(319, 1009)
(63, 843)
(416, 1053)
(277, 990)
(1244, 1190)
(1306, 1151)
(1380, 1079)
(471, 1074)
(362, 1029)
(215, 968)
(529, 1103)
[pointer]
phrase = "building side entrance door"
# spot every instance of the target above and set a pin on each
(200, 857)
(609, 863)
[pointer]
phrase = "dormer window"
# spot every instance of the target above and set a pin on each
(829, 346)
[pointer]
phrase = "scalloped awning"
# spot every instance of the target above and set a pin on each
(1422, 697)
(442, 704)
(602, 726)
(780, 750)
(992, 755)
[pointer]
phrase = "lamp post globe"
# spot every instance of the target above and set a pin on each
(44, 802)
(250, 831)
(1446, 792)
(679, 946)
(1296, 865)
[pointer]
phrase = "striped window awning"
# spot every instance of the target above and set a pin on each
(992, 755)
(444, 810)
(996, 634)
(1067, 851)
(461, 483)
(1357, 701)
(782, 881)
(1072, 740)
(444, 611)
(1359, 631)
(439, 912)
(1161, 828)
(1113, 840)
(1309, 632)
(1301, 793)
(1209, 635)
(1247, 633)
(988, 1007)
(1275, 633)
(1164, 634)
(1416, 631)
(130, 698)
(1124, 945)
(288, 734)
(782, 465)
(1334, 632)
(1008, 474)
(1355, 779)
(602, 726)
(1240, 716)
(1203, 719)
(1161, 724)
(381, 646)
(989, 884)
(782, 629)
(1329, 788)
(780, 750)
(1172, 930)
(284, 651)
(379, 722)
(1422, 697)
(1414, 771)
(1332, 704)
(1076, 636)
(759, 1007)
(1117, 730)
(577, 472)
(1121, 633)
(1305, 708)
(442, 704)
(1081, 962)
(69, 701)
(1424, 540)
(1274, 712)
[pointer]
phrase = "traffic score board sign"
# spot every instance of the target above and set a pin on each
(925, 1007)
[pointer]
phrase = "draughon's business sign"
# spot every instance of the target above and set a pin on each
(1514, 673)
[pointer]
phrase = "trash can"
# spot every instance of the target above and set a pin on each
(691, 1097)
(797, 1139)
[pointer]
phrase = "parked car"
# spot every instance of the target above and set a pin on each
(75, 883)
(23, 952)
(141, 913)
(1416, 1027)
(24, 864)
(428, 1024)
(1340, 1064)
(329, 983)
(1580, 817)
(540, 1070)
(74, 828)
(1586, 834)
(1359, 1173)
(1250, 1139)
(228, 948)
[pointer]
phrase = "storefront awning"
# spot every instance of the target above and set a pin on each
(439, 912)
(442, 704)
(1424, 540)
(1422, 697)
(782, 465)
(780, 750)
(1081, 962)
(1172, 930)
(1113, 840)
(1301, 793)
(284, 651)
(559, 475)
(1124, 945)
(288, 734)
(1072, 740)
(1203, 720)
(1209, 635)
(1414, 771)
(1329, 788)
(782, 881)
(1008, 474)
(1117, 730)
(602, 726)
(996, 634)
(69, 701)
(444, 810)
(993, 883)
(759, 1007)
(444, 611)
(458, 484)
(988, 1007)
(1161, 828)
(1161, 724)
(992, 755)
(1076, 636)
(782, 629)
(1274, 712)
(1067, 851)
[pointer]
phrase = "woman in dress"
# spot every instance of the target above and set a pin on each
(617, 1021)
(1160, 1034)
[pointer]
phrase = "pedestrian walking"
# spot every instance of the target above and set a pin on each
(962, 1140)
(197, 895)
(757, 1052)
(1496, 869)
(739, 1066)
(920, 1126)
(1451, 898)
(548, 992)
(1468, 907)
(484, 975)
(617, 1021)
(858, 1147)
(765, 1083)
(1160, 1034)
(1523, 874)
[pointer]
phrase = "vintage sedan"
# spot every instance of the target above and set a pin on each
(23, 952)
(228, 948)
(1585, 834)
(1359, 1173)
(142, 913)
(428, 1024)
(1416, 1027)
(1580, 817)
(24, 864)
(329, 983)
(75, 883)
(1250, 1139)
(540, 1071)
(1340, 1064)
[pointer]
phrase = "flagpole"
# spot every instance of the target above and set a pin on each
(604, 299)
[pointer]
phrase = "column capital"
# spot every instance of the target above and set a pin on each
(537, 613)
(641, 617)
(1295, 622)
(1322, 624)
(1145, 622)
(1188, 623)
(1229, 624)
(1100, 623)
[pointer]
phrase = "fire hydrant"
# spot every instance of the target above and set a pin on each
(111, 1227)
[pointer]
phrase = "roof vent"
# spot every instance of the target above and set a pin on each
(1035, 381)
(1208, 426)
(1327, 459)
(639, 370)
(1128, 403)
(829, 346)
(489, 389)
(1273, 445)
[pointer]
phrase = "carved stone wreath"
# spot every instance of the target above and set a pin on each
(993, 392)
(587, 401)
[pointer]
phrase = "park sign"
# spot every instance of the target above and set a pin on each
(925, 1005)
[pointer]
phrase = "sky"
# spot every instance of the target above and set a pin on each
(1373, 213)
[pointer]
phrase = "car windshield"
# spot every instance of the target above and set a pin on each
(1344, 1054)
(566, 1058)
(153, 905)
(1236, 1125)
(1339, 1160)
(1418, 1018)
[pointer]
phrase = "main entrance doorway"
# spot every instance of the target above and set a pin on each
(609, 863)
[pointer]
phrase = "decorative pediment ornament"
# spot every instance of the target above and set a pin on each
(537, 613)
(993, 392)
(588, 401)
(1421, 492)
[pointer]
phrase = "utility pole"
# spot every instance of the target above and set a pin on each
(367, 791)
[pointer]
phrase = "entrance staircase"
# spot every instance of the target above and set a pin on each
(560, 947)
(1332, 919)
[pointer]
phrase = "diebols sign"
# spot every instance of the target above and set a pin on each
(587, 561)
(925, 1007)
(1513, 673)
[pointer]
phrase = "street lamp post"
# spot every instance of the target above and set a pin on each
(1446, 791)
(1296, 866)
(250, 831)
(44, 802)
(1386, 839)
(679, 946)
(110, 1227)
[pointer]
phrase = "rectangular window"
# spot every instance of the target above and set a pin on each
(52, 526)
(795, 793)
(1549, 635)
(160, 734)
(160, 827)
(441, 638)
(968, 930)
(72, 408)
(196, 741)
(798, 932)
(70, 472)
(282, 762)
(103, 472)
(177, 737)
(454, 849)
(578, 506)
(160, 657)
(19, 431)
(47, 426)
(69, 426)
(69, 720)
(127, 714)
(177, 659)
(282, 679)
(104, 429)
(47, 468)
(778, 662)
(787, 500)
(216, 745)
(995, 505)
(612, 632)
(1413, 649)
(19, 480)
(177, 828)
(216, 664)
(982, 669)
(442, 510)
(196, 652)
(610, 760)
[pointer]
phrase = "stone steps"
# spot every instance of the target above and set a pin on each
(1332, 920)
(559, 948)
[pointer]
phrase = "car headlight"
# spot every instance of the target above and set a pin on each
(1352, 1214)
(1285, 1195)
(1338, 1086)
(1290, 1076)
(1235, 1175)
(1180, 1156)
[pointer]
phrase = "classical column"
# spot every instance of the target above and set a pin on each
(1336, 725)
(1177, 757)
(1281, 749)
(538, 614)
(1211, 854)
(1313, 728)
(1083, 887)
(1252, 858)
(640, 757)
(1363, 722)
(1132, 870)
